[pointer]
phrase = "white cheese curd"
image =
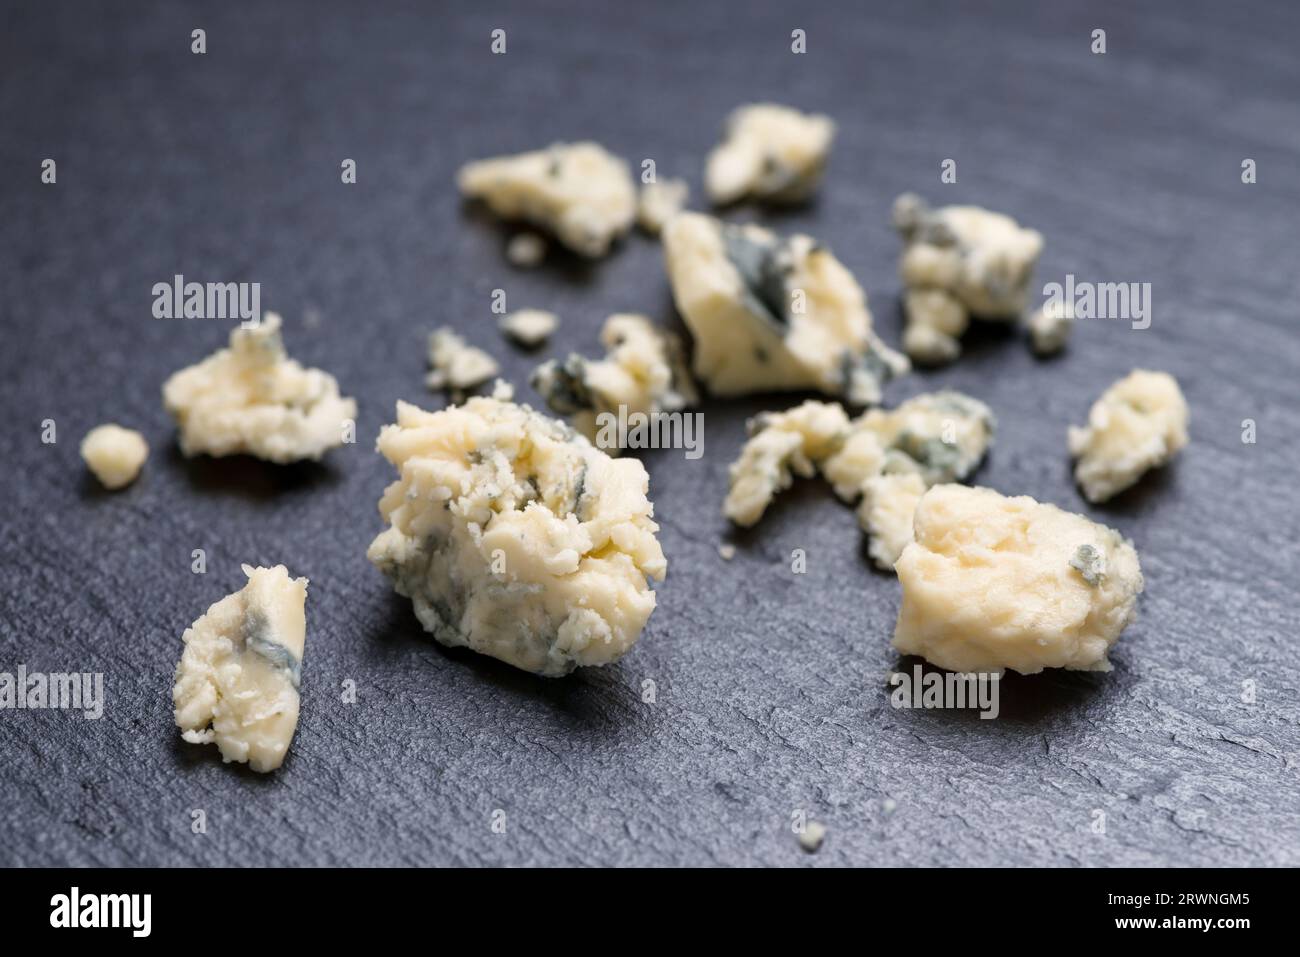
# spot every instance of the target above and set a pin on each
(660, 201)
(959, 262)
(237, 680)
(114, 454)
(530, 327)
(644, 370)
(991, 582)
(526, 250)
(773, 314)
(885, 513)
(578, 191)
(512, 535)
(457, 366)
(781, 445)
(1050, 327)
(769, 152)
(1139, 423)
(252, 399)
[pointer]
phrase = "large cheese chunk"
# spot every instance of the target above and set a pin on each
(780, 446)
(773, 314)
(1139, 423)
(114, 454)
(514, 536)
(959, 262)
(252, 399)
(578, 191)
(237, 680)
(772, 153)
(644, 371)
(991, 582)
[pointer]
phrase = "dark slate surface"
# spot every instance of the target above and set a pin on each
(770, 688)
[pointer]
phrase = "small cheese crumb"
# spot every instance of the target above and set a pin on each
(116, 455)
(644, 371)
(889, 806)
(237, 680)
(253, 399)
(727, 551)
(812, 836)
(660, 201)
(1050, 327)
(958, 263)
(526, 250)
(578, 191)
(530, 327)
(1138, 424)
(772, 153)
(990, 583)
(457, 366)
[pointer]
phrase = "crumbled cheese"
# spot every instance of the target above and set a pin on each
(1138, 424)
(1050, 327)
(888, 503)
(781, 445)
(252, 399)
(959, 262)
(116, 455)
(988, 584)
(812, 836)
(660, 201)
(773, 314)
(727, 551)
(530, 327)
(237, 680)
(526, 250)
(457, 366)
(644, 370)
(514, 536)
(770, 152)
(578, 191)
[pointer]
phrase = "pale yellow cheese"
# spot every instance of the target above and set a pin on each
(991, 582)
(114, 454)
(770, 152)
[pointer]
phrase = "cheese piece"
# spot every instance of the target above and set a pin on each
(812, 836)
(1139, 423)
(644, 370)
(512, 535)
(116, 455)
(886, 457)
(578, 191)
(959, 262)
(457, 366)
(252, 399)
(772, 153)
(660, 201)
(989, 583)
(1050, 327)
(781, 445)
(526, 250)
(237, 680)
(773, 314)
(890, 457)
(530, 327)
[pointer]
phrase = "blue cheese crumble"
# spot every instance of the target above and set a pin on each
(237, 681)
(513, 536)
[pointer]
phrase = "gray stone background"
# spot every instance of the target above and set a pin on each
(771, 694)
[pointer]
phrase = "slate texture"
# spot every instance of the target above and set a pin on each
(770, 695)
